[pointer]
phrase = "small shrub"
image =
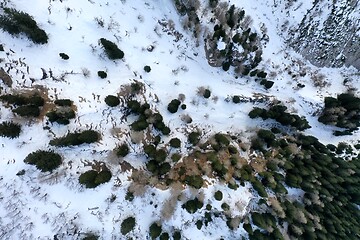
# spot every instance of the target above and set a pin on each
(63, 102)
(92, 178)
(177, 235)
(222, 139)
(175, 143)
(195, 181)
(225, 207)
(16, 22)
(139, 125)
(218, 195)
(44, 160)
(236, 99)
(192, 206)
(90, 236)
(127, 225)
(112, 101)
(64, 56)
(122, 150)
(88, 178)
(155, 230)
(73, 139)
(164, 236)
(194, 138)
(111, 49)
(102, 74)
(10, 129)
(207, 93)
(147, 69)
(175, 157)
(173, 106)
(27, 111)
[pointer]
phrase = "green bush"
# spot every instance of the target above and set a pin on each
(225, 207)
(173, 106)
(147, 69)
(139, 125)
(16, 22)
(175, 143)
(195, 181)
(218, 195)
(177, 235)
(10, 129)
(44, 160)
(194, 138)
(127, 225)
(164, 236)
(88, 178)
(112, 101)
(102, 74)
(222, 139)
(193, 205)
(64, 56)
(236, 99)
(92, 178)
(77, 138)
(61, 116)
(155, 230)
(111, 49)
(122, 150)
(63, 102)
(207, 93)
(27, 111)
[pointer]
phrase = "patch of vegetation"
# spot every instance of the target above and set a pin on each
(147, 68)
(17, 22)
(207, 93)
(193, 205)
(64, 56)
(112, 101)
(44, 160)
(61, 116)
(27, 111)
(92, 178)
(194, 138)
(278, 113)
(127, 225)
(155, 230)
(175, 143)
(102, 74)
(111, 49)
(343, 112)
(173, 106)
(195, 181)
(122, 150)
(10, 129)
(218, 195)
(63, 102)
(77, 138)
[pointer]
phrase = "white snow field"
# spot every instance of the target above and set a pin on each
(41, 205)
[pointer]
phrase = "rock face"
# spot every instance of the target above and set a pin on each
(329, 34)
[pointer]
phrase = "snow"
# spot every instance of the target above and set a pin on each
(39, 205)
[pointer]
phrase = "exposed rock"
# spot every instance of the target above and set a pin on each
(5, 78)
(329, 34)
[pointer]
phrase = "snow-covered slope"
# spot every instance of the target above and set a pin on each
(40, 205)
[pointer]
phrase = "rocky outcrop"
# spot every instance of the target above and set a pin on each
(329, 34)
